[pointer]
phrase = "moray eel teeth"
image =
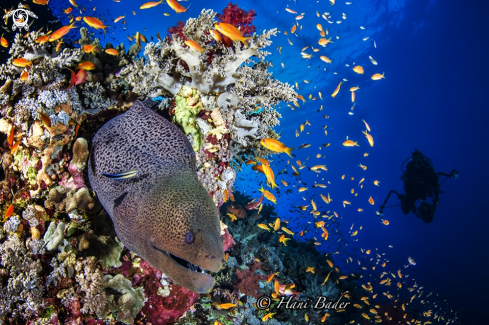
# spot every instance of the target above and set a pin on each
(182, 262)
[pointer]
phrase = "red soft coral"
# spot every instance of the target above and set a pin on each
(248, 281)
(158, 309)
(177, 30)
(239, 18)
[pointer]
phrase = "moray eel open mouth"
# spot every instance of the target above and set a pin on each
(187, 264)
(183, 263)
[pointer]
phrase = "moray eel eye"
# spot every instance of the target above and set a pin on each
(189, 237)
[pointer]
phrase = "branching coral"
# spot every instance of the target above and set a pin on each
(21, 287)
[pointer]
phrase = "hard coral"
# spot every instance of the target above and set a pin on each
(124, 301)
(65, 200)
(21, 287)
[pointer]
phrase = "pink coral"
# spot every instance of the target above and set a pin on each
(158, 309)
(227, 241)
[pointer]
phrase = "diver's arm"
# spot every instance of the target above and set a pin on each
(453, 174)
(385, 202)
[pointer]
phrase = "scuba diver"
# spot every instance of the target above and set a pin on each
(420, 182)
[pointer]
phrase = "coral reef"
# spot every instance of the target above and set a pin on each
(223, 105)
(61, 262)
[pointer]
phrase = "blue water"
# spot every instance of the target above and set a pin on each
(434, 55)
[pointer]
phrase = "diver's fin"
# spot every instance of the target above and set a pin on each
(123, 175)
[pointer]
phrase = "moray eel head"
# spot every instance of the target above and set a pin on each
(181, 231)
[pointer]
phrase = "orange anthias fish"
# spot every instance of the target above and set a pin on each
(271, 277)
(267, 170)
(350, 143)
(283, 240)
(176, 6)
(112, 52)
(286, 290)
(268, 195)
(72, 79)
(9, 212)
(327, 277)
(276, 224)
(89, 49)
(40, 2)
(225, 306)
(194, 45)
(277, 146)
(358, 69)
(119, 18)
(42, 39)
(378, 76)
(24, 75)
(267, 317)
(58, 46)
(337, 90)
(86, 65)
(215, 35)
(21, 62)
(81, 76)
(263, 226)
(14, 148)
(68, 10)
(152, 4)
(369, 138)
(73, 3)
(94, 22)
(325, 59)
(371, 201)
(3, 41)
(61, 32)
(324, 42)
(258, 168)
(11, 136)
(232, 32)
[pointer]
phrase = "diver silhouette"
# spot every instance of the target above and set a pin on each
(420, 182)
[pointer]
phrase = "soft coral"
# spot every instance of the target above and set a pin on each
(233, 15)
(239, 18)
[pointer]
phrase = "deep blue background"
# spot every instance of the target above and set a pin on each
(434, 55)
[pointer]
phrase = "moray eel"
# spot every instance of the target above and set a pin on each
(142, 168)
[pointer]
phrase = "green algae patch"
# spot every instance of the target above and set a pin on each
(188, 106)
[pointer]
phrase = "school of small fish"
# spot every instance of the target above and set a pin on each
(326, 222)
